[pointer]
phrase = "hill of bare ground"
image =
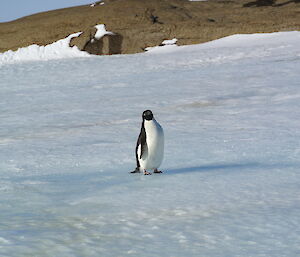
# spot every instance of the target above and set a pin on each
(139, 24)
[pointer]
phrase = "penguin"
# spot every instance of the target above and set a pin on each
(149, 149)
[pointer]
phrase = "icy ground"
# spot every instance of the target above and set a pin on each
(231, 183)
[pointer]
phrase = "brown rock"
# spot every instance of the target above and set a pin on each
(108, 44)
(138, 24)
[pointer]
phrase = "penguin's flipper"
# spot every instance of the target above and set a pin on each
(141, 147)
(144, 151)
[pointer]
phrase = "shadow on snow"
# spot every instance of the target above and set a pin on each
(231, 167)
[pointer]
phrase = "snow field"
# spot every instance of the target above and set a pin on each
(229, 109)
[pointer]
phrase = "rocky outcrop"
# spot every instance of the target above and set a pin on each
(107, 44)
(138, 24)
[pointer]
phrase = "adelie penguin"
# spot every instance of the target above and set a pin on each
(149, 149)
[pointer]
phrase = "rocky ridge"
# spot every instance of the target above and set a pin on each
(138, 24)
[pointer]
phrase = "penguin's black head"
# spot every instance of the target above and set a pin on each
(147, 115)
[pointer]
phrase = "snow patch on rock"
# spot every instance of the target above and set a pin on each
(170, 42)
(165, 45)
(96, 3)
(101, 31)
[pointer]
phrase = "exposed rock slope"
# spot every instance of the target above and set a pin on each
(138, 24)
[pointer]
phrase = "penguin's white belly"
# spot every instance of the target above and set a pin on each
(153, 157)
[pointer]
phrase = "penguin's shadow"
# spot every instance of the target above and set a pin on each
(213, 167)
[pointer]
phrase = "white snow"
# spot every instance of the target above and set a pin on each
(231, 181)
(166, 45)
(56, 50)
(101, 31)
(170, 41)
(94, 4)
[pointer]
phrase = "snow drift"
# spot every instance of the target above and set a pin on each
(56, 50)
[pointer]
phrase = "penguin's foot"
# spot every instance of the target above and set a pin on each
(147, 173)
(137, 170)
(157, 171)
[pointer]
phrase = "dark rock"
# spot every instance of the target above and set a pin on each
(260, 3)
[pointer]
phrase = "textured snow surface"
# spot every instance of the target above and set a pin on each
(231, 182)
